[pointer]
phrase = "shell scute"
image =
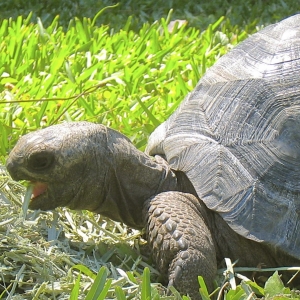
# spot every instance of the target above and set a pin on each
(237, 137)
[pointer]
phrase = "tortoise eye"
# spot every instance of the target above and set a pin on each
(40, 161)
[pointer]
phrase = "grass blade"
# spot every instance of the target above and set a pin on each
(75, 291)
(146, 287)
(100, 286)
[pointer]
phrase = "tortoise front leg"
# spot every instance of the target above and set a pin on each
(181, 241)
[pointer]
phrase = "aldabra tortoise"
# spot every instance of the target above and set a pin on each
(223, 178)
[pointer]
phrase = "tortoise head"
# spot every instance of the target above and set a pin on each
(59, 162)
(88, 166)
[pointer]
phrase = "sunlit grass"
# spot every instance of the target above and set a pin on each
(131, 80)
(145, 75)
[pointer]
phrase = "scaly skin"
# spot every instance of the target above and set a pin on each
(181, 241)
(188, 239)
(88, 166)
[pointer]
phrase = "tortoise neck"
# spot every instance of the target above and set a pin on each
(133, 178)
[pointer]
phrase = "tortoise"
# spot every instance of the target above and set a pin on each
(220, 177)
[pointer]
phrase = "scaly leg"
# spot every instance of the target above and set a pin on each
(181, 241)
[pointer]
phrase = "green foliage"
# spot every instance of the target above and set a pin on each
(199, 13)
(99, 288)
(146, 287)
(248, 290)
(126, 80)
(203, 289)
(102, 287)
(275, 289)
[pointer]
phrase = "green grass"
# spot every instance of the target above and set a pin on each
(129, 74)
(199, 13)
(126, 80)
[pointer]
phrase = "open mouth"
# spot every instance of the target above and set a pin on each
(34, 190)
(38, 188)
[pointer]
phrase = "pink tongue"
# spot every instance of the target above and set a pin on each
(38, 189)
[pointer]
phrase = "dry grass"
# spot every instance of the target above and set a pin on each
(42, 255)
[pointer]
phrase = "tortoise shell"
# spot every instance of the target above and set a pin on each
(237, 137)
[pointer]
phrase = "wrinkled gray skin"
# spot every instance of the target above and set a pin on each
(89, 166)
(230, 184)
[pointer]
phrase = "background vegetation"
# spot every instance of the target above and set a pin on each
(199, 13)
(125, 67)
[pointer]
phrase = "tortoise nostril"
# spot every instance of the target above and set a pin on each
(12, 169)
(40, 161)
